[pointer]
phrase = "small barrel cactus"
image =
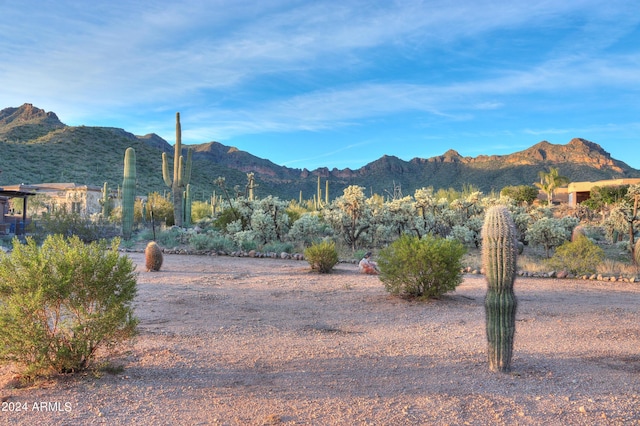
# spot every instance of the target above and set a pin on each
(153, 257)
(499, 252)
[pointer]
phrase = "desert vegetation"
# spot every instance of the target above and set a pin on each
(232, 223)
(62, 301)
(357, 223)
(424, 241)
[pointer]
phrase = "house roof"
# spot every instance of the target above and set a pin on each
(54, 186)
(11, 193)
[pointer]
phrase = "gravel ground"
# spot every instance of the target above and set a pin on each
(239, 341)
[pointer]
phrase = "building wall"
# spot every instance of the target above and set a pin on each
(83, 199)
(579, 191)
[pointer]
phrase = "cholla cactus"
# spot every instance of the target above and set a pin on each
(499, 251)
(153, 257)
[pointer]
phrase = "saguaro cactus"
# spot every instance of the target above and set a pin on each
(105, 201)
(499, 252)
(128, 192)
(251, 185)
(326, 192)
(319, 196)
(181, 173)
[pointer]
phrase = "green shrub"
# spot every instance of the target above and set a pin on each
(322, 256)
(423, 268)
(548, 233)
(579, 257)
(171, 237)
(211, 242)
(60, 302)
(278, 247)
(61, 221)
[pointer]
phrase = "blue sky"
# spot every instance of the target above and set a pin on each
(311, 84)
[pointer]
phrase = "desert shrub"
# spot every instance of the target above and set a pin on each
(423, 268)
(61, 221)
(62, 301)
(162, 208)
(171, 237)
(549, 233)
(577, 232)
(227, 217)
(322, 256)
(200, 210)
(307, 229)
(245, 240)
(465, 235)
(278, 247)
(579, 257)
(212, 242)
(521, 193)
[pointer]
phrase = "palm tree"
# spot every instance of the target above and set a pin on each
(550, 181)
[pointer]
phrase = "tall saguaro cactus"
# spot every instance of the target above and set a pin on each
(499, 252)
(128, 192)
(181, 173)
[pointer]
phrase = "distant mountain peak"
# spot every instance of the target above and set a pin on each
(94, 155)
(26, 114)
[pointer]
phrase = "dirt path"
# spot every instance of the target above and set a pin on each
(239, 341)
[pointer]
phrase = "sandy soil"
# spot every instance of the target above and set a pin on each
(240, 341)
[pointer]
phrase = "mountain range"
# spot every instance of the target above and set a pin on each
(36, 147)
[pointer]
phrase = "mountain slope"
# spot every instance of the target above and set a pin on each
(36, 147)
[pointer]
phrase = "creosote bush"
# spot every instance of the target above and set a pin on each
(61, 221)
(579, 257)
(62, 301)
(422, 268)
(322, 256)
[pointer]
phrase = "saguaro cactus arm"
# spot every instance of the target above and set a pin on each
(166, 176)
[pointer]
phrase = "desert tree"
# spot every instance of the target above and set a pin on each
(550, 181)
(349, 215)
(308, 229)
(522, 194)
(624, 215)
(550, 232)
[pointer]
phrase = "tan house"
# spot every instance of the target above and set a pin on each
(578, 192)
(82, 199)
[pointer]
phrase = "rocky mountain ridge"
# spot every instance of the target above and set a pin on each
(31, 134)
